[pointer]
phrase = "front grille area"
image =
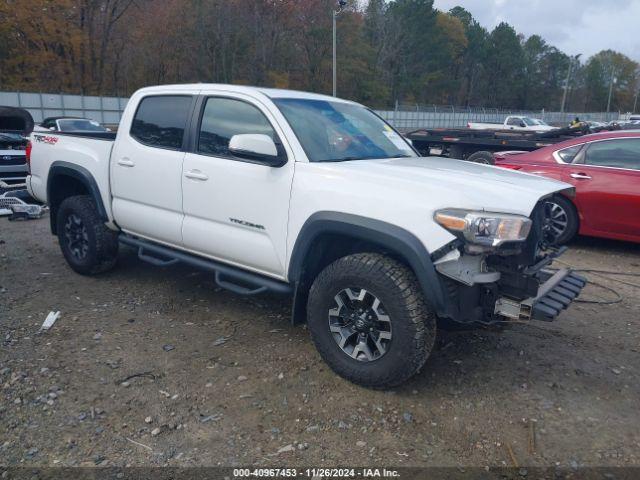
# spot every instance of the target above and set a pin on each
(13, 160)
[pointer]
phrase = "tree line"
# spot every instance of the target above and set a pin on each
(402, 51)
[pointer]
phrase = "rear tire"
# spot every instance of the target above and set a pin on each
(456, 151)
(483, 157)
(369, 321)
(86, 243)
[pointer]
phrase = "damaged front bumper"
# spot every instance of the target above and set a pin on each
(557, 292)
(513, 282)
(494, 289)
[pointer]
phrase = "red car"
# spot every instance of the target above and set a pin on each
(604, 168)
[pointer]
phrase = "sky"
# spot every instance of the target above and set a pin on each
(573, 26)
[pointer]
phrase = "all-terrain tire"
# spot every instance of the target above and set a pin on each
(412, 322)
(483, 157)
(86, 243)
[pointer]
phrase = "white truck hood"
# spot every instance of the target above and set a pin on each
(406, 192)
(455, 183)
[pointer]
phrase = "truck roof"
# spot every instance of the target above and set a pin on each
(269, 92)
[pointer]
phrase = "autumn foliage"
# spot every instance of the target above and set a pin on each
(388, 51)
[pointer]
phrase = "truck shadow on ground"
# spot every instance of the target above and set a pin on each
(518, 357)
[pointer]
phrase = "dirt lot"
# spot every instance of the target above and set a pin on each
(226, 380)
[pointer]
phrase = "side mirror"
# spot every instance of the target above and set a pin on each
(53, 129)
(522, 124)
(258, 147)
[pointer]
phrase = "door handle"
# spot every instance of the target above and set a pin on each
(197, 175)
(125, 162)
(580, 176)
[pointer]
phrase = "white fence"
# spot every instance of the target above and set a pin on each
(411, 117)
(404, 117)
(42, 105)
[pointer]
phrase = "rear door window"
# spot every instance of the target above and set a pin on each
(160, 121)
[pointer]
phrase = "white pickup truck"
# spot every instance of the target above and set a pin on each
(313, 197)
(514, 122)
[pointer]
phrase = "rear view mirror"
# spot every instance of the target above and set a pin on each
(258, 147)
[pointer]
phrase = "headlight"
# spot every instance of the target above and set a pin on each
(485, 228)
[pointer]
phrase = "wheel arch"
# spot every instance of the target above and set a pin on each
(327, 236)
(66, 180)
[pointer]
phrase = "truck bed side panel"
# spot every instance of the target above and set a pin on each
(90, 153)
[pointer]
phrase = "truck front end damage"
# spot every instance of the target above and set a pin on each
(498, 268)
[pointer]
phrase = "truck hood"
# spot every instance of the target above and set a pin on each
(454, 183)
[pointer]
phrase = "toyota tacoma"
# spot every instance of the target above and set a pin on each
(313, 197)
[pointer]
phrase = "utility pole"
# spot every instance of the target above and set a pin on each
(637, 83)
(611, 82)
(334, 14)
(566, 83)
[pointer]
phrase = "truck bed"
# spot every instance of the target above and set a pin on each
(89, 152)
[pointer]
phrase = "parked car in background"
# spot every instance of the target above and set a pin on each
(70, 124)
(604, 168)
(13, 161)
(595, 125)
(514, 122)
(15, 124)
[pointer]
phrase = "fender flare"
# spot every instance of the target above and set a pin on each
(66, 169)
(389, 236)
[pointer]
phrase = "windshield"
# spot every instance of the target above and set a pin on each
(335, 131)
(534, 121)
(10, 137)
(80, 125)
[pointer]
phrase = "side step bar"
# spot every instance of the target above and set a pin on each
(226, 276)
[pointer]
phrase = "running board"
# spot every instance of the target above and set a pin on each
(230, 278)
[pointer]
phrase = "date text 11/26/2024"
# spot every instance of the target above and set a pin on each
(315, 473)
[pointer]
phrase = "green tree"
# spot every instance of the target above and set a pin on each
(411, 30)
(609, 70)
(471, 71)
(544, 74)
(504, 67)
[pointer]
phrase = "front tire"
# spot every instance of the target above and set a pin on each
(369, 321)
(86, 243)
(560, 220)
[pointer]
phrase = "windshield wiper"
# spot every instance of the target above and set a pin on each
(346, 159)
(354, 158)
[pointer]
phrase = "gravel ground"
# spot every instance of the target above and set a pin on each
(149, 366)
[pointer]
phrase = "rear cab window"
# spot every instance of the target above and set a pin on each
(160, 121)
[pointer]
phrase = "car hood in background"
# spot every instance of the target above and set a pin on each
(15, 120)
